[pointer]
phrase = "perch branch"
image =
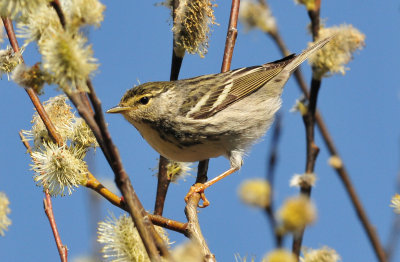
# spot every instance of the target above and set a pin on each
(194, 231)
(193, 227)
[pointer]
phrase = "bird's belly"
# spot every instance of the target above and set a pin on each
(187, 152)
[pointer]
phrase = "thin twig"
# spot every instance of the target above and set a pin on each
(169, 224)
(62, 250)
(48, 209)
(312, 149)
(117, 201)
(135, 208)
(25, 142)
(379, 251)
(230, 36)
(163, 180)
(30, 91)
(136, 211)
(193, 228)
(342, 171)
(315, 20)
(272, 160)
(311, 154)
(57, 7)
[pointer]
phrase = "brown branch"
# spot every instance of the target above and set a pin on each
(312, 149)
(169, 224)
(11, 34)
(311, 153)
(134, 207)
(315, 20)
(226, 65)
(272, 160)
(30, 91)
(342, 171)
(25, 142)
(163, 180)
(136, 210)
(117, 201)
(230, 36)
(62, 250)
(48, 209)
(100, 129)
(95, 185)
(193, 227)
(57, 7)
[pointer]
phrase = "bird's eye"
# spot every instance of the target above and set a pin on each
(144, 100)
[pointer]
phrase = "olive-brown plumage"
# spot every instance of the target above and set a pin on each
(212, 115)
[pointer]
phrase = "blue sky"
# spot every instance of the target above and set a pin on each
(133, 44)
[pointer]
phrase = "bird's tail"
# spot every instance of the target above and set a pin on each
(306, 53)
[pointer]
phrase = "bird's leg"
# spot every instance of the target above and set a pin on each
(199, 187)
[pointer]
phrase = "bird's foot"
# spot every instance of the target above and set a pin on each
(198, 188)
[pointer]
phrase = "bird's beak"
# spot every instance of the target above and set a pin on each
(117, 109)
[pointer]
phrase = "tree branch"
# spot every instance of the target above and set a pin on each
(48, 209)
(117, 201)
(163, 180)
(272, 160)
(342, 171)
(193, 227)
(136, 211)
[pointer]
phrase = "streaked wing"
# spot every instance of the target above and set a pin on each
(237, 84)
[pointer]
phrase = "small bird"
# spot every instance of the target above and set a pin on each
(212, 115)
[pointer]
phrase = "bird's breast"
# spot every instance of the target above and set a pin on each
(180, 146)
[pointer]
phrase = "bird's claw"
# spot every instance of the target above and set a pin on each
(198, 188)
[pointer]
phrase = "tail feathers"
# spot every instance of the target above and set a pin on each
(306, 53)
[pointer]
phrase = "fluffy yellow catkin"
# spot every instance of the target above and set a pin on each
(279, 255)
(192, 26)
(333, 58)
(255, 192)
(324, 254)
(5, 222)
(122, 241)
(296, 213)
(395, 203)
(59, 168)
(255, 15)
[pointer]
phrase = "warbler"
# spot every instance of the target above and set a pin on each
(212, 115)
